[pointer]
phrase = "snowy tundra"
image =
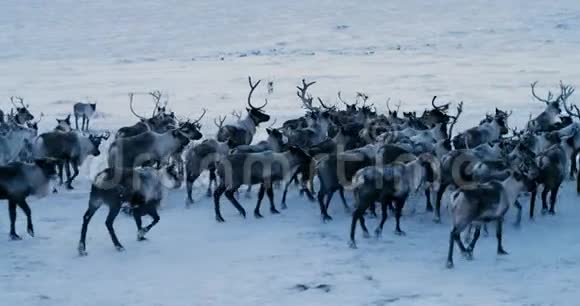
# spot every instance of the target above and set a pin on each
(483, 52)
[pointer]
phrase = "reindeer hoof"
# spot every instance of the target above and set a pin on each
(54, 190)
(141, 235)
(544, 211)
(82, 249)
(220, 219)
(352, 245)
(502, 252)
(69, 187)
(15, 237)
(31, 232)
(274, 211)
(284, 206)
(326, 218)
(243, 214)
(551, 212)
(429, 208)
(366, 235)
(209, 194)
(450, 265)
(120, 248)
(258, 215)
(468, 255)
(437, 220)
(400, 233)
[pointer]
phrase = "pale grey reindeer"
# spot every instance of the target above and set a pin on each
(63, 125)
(18, 181)
(243, 131)
(390, 183)
(264, 168)
(490, 129)
(85, 111)
(551, 115)
(142, 188)
(483, 203)
(68, 149)
(151, 147)
(15, 141)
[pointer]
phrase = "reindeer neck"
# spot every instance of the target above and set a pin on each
(248, 124)
(166, 142)
(274, 144)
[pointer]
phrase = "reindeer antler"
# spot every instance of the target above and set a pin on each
(156, 94)
(566, 92)
(441, 108)
(219, 122)
(252, 88)
(455, 118)
(20, 100)
(326, 107)
(306, 98)
(131, 107)
(346, 103)
(237, 114)
(198, 119)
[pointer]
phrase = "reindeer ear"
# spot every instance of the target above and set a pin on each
(269, 131)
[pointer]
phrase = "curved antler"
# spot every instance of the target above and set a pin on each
(325, 107)
(157, 97)
(203, 114)
(131, 107)
(442, 107)
(346, 103)
(19, 100)
(547, 100)
(252, 88)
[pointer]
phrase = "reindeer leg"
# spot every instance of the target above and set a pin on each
(75, 166)
(294, 176)
(519, 213)
(12, 212)
(212, 178)
(60, 169)
(270, 193)
(93, 207)
(471, 247)
(440, 192)
(553, 198)
(545, 200)
(429, 206)
(114, 210)
(499, 231)
(323, 209)
(358, 214)
(234, 201)
(152, 212)
(68, 184)
(260, 197)
(88, 119)
(398, 213)
(85, 127)
(77, 122)
(137, 214)
(384, 209)
(26, 209)
(533, 203)
(216, 197)
(341, 194)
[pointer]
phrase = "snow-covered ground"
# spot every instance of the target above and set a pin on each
(200, 52)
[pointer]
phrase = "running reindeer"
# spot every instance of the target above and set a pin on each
(142, 188)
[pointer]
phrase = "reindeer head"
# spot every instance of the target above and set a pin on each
(22, 115)
(257, 114)
(93, 106)
(64, 124)
(96, 142)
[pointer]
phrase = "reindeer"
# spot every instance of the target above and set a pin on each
(22, 115)
(63, 125)
(550, 116)
(68, 148)
(16, 142)
(483, 203)
(150, 146)
(142, 188)
(264, 168)
(160, 122)
(490, 129)
(20, 180)
(84, 111)
(391, 183)
(243, 131)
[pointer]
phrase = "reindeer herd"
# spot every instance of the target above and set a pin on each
(380, 157)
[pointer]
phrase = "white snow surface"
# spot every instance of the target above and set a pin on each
(484, 52)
